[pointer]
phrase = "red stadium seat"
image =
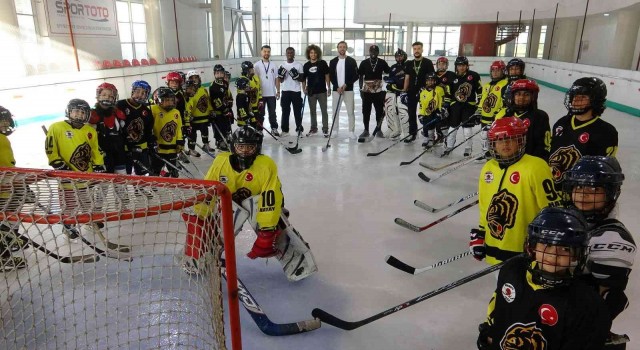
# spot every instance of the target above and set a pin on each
(144, 62)
(153, 61)
(126, 63)
(135, 62)
(106, 64)
(117, 64)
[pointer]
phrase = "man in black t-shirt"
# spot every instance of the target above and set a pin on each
(316, 85)
(370, 72)
(416, 71)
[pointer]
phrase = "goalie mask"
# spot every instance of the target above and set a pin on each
(140, 91)
(106, 95)
(507, 140)
(246, 144)
(77, 112)
(165, 98)
(7, 124)
(586, 94)
(523, 95)
(593, 186)
(557, 244)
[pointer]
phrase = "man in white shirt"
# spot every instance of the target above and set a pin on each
(266, 71)
(290, 77)
(343, 71)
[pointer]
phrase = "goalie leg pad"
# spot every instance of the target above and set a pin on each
(199, 234)
(297, 260)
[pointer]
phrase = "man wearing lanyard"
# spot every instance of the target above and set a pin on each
(270, 86)
(416, 72)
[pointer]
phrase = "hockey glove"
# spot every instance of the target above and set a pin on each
(265, 244)
(229, 115)
(186, 130)
(389, 80)
(476, 244)
(153, 146)
(261, 107)
(59, 165)
(483, 342)
(404, 98)
(293, 72)
(99, 169)
(282, 72)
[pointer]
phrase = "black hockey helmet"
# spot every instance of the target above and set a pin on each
(581, 183)
(400, 53)
(7, 124)
(190, 87)
(77, 112)
(242, 83)
(515, 62)
(246, 145)
(218, 68)
(431, 76)
(246, 67)
(460, 60)
(593, 87)
(553, 233)
(165, 98)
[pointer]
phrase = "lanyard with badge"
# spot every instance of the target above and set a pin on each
(266, 69)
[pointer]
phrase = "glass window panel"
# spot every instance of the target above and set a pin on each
(27, 28)
(141, 50)
(333, 23)
(440, 29)
(438, 37)
(137, 13)
(312, 9)
(314, 37)
(246, 5)
(294, 37)
(23, 7)
(210, 50)
(295, 24)
(122, 10)
(424, 38)
(313, 23)
(276, 49)
(125, 32)
(285, 38)
(359, 48)
(453, 29)
(248, 23)
(127, 51)
(336, 36)
(139, 32)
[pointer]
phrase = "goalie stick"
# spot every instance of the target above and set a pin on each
(424, 206)
(373, 154)
(400, 265)
(424, 177)
(415, 228)
(335, 114)
(260, 318)
(351, 325)
(447, 152)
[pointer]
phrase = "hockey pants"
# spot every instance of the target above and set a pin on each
(397, 115)
(204, 133)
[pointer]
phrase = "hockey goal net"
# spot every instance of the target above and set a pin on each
(104, 261)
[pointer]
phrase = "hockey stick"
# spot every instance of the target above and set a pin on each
(194, 166)
(446, 165)
(415, 228)
(183, 171)
(224, 139)
(402, 139)
(395, 262)
(205, 151)
(447, 152)
(427, 149)
(260, 317)
(428, 179)
(292, 150)
(424, 206)
(617, 339)
(335, 114)
(304, 102)
(348, 325)
(63, 259)
(372, 136)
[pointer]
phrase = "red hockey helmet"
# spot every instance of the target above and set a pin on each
(174, 76)
(504, 129)
(106, 99)
(500, 67)
(442, 64)
(524, 85)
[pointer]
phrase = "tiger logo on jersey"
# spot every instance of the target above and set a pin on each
(203, 104)
(241, 194)
(81, 157)
(521, 336)
(562, 160)
(168, 131)
(463, 92)
(135, 130)
(502, 213)
(489, 103)
(431, 107)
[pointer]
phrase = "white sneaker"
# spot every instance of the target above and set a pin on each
(284, 134)
(352, 135)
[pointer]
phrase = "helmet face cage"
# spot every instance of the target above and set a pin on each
(593, 88)
(593, 186)
(442, 64)
(194, 76)
(106, 95)
(242, 84)
(524, 85)
(557, 246)
(401, 55)
(461, 61)
(431, 80)
(190, 87)
(140, 91)
(507, 139)
(515, 74)
(174, 80)
(246, 145)
(166, 98)
(7, 124)
(247, 69)
(499, 68)
(77, 112)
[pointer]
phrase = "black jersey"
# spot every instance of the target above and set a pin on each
(138, 123)
(243, 107)
(370, 69)
(446, 81)
(220, 94)
(538, 132)
(396, 78)
(527, 316)
(181, 103)
(466, 88)
(417, 71)
(573, 139)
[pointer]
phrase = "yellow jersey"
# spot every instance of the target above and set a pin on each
(198, 107)
(431, 100)
(492, 102)
(6, 153)
(77, 148)
(167, 128)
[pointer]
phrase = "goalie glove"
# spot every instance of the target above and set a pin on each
(293, 72)
(99, 169)
(59, 165)
(282, 72)
(476, 244)
(265, 244)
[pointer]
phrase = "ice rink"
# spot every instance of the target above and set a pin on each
(344, 204)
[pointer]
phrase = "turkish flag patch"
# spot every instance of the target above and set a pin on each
(584, 137)
(548, 314)
(248, 177)
(515, 177)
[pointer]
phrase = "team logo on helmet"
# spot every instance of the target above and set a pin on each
(241, 194)
(563, 159)
(135, 130)
(521, 336)
(203, 103)
(502, 213)
(81, 157)
(489, 103)
(508, 292)
(463, 93)
(169, 131)
(584, 137)
(548, 314)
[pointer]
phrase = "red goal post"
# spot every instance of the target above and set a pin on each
(39, 207)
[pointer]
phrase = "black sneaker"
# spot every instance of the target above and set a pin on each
(410, 139)
(11, 263)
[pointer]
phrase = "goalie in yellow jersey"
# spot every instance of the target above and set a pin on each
(253, 181)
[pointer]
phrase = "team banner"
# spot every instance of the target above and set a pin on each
(88, 17)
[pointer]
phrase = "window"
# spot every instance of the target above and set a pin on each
(27, 26)
(521, 43)
(543, 36)
(132, 29)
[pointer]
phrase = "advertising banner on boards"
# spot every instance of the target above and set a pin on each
(88, 17)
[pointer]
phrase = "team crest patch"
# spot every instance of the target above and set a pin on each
(515, 177)
(523, 336)
(508, 292)
(68, 134)
(488, 177)
(548, 314)
(584, 137)
(501, 214)
(224, 179)
(559, 130)
(248, 177)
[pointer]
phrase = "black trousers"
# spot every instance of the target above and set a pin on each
(412, 106)
(270, 103)
(139, 162)
(221, 127)
(459, 113)
(377, 100)
(157, 164)
(204, 134)
(291, 98)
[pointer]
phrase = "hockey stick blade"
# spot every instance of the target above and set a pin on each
(263, 322)
(415, 228)
(63, 259)
(416, 158)
(347, 325)
(426, 207)
(438, 168)
(400, 265)
(406, 224)
(112, 246)
(373, 154)
(424, 177)
(293, 150)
